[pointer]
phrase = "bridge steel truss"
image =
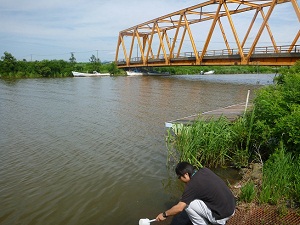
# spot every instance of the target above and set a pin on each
(165, 35)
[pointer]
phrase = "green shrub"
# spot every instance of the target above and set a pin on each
(277, 116)
(240, 158)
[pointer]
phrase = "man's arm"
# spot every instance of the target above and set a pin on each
(172, 211)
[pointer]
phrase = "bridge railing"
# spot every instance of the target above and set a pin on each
(257, 50)
(223, 52)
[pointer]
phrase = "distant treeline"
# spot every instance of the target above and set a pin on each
(10, 67)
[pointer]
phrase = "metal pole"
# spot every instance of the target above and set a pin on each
(247, 100)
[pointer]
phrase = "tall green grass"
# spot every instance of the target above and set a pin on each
(204, 142)
(248, 192)
(281, 181)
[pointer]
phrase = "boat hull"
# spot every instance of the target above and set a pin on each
(135, 73)
(157, 74)
(139, 73)
(95, 74)
(208, 72)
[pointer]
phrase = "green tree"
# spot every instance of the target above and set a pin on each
(113, 69)
(95, 63)
(8, 65)
(72, 59)
(93, 59)
(43, 68)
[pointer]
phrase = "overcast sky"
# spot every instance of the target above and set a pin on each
(52, 29)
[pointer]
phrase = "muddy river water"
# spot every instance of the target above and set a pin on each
(92, 150)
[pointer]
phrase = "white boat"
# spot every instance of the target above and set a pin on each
(134, 73)
(208, 72)
(153, 73)
(94, 74)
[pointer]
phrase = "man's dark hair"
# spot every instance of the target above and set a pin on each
(183, 168)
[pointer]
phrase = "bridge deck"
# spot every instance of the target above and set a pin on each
(262, 59)
(230, 112)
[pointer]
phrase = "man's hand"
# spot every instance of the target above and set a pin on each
(171, 212)
(160, 217)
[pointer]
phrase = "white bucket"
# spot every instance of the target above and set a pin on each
(145, 221)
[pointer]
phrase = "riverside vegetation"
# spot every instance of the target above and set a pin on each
(267, 134)
(10, 67)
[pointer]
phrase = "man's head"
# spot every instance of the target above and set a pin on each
(183, 169)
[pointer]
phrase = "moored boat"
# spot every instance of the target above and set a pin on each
(208, 72)
(94, 74)
(149, 73)
(153, 73)
(135, 73)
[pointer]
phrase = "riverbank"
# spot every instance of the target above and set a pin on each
(268, 134)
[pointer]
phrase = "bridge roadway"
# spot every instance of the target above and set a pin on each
(263, 56)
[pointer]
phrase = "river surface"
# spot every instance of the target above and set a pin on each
(80, 151)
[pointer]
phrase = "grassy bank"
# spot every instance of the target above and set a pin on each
(179, 70)
(268, 135)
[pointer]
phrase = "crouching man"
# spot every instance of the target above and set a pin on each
(206, 198)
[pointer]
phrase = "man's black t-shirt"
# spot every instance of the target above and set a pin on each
(212, 190)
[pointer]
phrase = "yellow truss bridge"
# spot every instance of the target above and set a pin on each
(173, 39)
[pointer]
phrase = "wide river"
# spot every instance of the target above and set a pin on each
(92, 150)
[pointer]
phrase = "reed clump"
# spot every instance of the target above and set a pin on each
(281, 181)
(204, 142)
(248, 192)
